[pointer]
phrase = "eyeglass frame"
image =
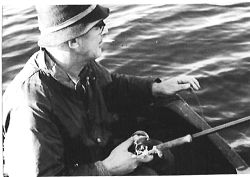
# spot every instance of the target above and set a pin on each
(101, 25)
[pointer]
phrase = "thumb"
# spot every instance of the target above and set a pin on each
(126, 144)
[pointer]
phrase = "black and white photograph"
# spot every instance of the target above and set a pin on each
(131, 89)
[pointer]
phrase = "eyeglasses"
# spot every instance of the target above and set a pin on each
(101, 25)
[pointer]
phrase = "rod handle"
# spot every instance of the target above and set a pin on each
(175, 142)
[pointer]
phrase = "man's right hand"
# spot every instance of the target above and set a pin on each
(121, 161)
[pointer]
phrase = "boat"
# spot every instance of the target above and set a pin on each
(171, 118)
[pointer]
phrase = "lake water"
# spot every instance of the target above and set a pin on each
(210, 42)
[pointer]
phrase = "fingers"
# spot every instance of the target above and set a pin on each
(196, 83)
(144, 158)
(184, 86)
(188, 82)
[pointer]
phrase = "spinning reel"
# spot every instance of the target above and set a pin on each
(143, 144)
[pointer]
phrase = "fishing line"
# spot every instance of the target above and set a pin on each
(191, 95)
(198, 101)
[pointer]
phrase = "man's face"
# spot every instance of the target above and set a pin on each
(90, 44)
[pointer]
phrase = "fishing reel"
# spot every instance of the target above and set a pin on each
(162, 162)
(142, 143)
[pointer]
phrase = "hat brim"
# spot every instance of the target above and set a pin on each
(75, 30)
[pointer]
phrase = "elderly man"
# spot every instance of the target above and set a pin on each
(57, 111)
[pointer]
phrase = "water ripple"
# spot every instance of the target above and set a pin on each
(210, 42)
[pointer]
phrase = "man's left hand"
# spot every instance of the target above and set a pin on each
(171, 86)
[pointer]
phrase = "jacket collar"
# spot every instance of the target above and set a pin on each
(49, 66)
(92, 71)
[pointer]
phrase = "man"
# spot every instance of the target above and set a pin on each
(58, 109)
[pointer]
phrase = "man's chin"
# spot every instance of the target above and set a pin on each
(98, 54)
(95, 57)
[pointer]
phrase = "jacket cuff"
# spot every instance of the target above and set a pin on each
(102, 170)
(155, 80)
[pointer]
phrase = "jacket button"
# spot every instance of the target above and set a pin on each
(99, 140)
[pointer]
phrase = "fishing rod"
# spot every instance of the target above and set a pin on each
(189, 138)
(141, 145)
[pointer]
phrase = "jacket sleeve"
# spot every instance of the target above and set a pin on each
(33, 145)
(127, 91)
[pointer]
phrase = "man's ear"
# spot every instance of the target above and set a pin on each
(73, 43)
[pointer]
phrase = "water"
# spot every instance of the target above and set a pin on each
(209, 42)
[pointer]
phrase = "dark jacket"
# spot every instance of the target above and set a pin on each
(52, 127)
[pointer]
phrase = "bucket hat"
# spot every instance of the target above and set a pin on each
(60, 23)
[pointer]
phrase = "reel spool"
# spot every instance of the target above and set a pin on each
(140, 143)
(143, 143)
(163, 164)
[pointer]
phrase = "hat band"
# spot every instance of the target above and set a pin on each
(69, 21)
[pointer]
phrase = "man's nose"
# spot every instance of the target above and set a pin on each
(105, 30)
